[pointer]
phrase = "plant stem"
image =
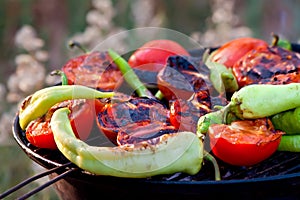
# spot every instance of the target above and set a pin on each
(73, 44)
(210, 158)
(64, 79)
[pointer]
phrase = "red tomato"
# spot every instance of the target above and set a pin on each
(244, 143)
(95, 70)
(153, 55)
(267, 65)
(131, 116)
(39, 132)
(184, 114)
(230, 52)
(180, 78)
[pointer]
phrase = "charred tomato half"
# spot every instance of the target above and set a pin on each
(95, 69)
(39, 133)
(133, 120)
(230, 52)
(245, 142)
(182, 77)
(268, 65)
(152, 56)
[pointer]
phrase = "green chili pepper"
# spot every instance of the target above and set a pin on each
(159, 95)
(130, 76)
(287, 121)
(216, 117)
(284, 44)
(264, 100)
(221, 116)
(221, 77)
(178, 152)
(289, 143)
(37, 104)
(253, 102)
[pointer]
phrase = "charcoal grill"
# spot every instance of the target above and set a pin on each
(275, 178)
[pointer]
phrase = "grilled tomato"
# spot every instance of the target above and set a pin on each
(268, 65)
(229, 53)
(136, 119)
(245, 142)
(39, 132)
(151, 57)
(182, 76)
(95, 69)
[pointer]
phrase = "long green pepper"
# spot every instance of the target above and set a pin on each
(289, 122)
(181, 152)
(264, 100)
(37, 104)
(131, 78)
(222, 78)
(279, 102)
(289, 143)
(253, 102)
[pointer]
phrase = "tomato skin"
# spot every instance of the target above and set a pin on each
(230, 52)
(184, 114)
(170, 91)
(242, 147)
(131, 116)
(267, 65)
(243, 154)
(82, 120)
(39, 132)
(153, 55)
(71, 65)
(95, 69)
(180, 79)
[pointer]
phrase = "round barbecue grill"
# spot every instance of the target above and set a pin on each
(277, 177)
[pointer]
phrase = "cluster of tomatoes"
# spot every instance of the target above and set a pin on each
(97, 70)
(252, 61)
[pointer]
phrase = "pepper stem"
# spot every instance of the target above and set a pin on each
(64, 79)
(210, 158)
(73, 44)
(275, 40)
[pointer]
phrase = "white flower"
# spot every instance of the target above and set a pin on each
(104, 6)
(41, 56)
(26, 38)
